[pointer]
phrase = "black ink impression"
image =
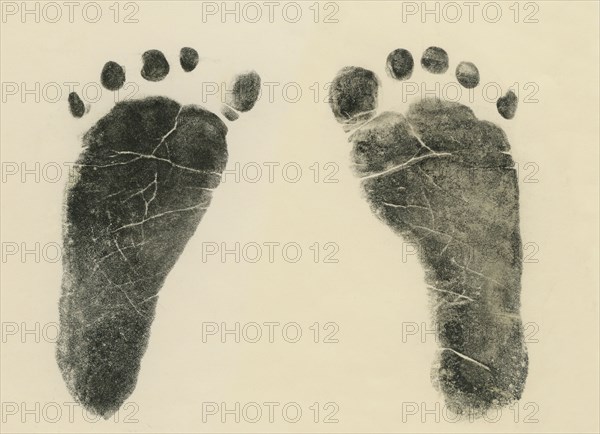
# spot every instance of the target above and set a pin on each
(112, 76)
(467, 74)
(445, 181)
(399, 64)
(189, 58)
(144, 181)
(507, 105)
(353, 94)
(435, 60)
(229, 113)
(155, 66)
(76, 105)
(246, 89)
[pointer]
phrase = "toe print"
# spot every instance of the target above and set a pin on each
(245, 91)
(353, 94)
(400, 64)
(507, 105)
(188, 58)
(76, 106)
(246, 88)
(445, 181)
(144, 181)
(155, 66)
(467, 74)
(112, 76)
(435, 60)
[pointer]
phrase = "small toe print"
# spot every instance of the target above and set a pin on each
(246, 89)
(76, 105)
(507, 105)
(155, 66)
(112, 76)
(435, 60)
(229, 113)
(400, 64)
(188, 57)
(467, 74)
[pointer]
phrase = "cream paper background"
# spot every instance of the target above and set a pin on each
(374, 292)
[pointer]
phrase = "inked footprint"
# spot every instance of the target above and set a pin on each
(144, 180)
(446, 182)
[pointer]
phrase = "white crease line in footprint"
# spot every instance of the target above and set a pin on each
(466, 358)
(406, 164)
